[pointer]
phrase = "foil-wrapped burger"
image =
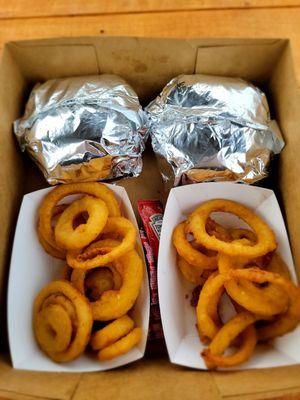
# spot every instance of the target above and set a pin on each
(83, 129)
(210, 128)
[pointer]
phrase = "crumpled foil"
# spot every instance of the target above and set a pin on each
(209, 128)
(83, 129)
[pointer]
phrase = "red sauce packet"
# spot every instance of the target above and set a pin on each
(151, 212)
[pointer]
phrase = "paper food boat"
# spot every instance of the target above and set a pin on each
(31, 268)
(178, 316)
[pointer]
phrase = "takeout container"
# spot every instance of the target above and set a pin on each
(147, 64)
(31, 268)
(178, 316)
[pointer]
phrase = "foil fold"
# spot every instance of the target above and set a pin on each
(209, 128)
(83, 129)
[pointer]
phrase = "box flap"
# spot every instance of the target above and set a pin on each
(42, 62)
(242, 382)
(148, 380)
(250, 61)
(51, 385)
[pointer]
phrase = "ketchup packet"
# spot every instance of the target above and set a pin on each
(151, 212)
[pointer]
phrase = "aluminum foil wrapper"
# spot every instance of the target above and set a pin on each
(83, 129)
(210, 128)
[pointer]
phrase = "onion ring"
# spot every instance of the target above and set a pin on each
(94, 282)
(278, 266)
(241, 323)
(122, 346)
(285, 322)
(266, 301)
(191, 273)
(207, 308)
(238, 233)
(94, 189)
(217, 230)
(91, 258)
(266, 241)
(113, 304)
(62, 321)
(111, 333)
(71, 239)
(188, 252)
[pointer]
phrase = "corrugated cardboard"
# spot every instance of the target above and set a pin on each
(147, 64)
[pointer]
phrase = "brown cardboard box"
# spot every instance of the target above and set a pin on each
(147, 64)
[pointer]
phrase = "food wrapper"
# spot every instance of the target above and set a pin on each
(210, 128)
(83, 129)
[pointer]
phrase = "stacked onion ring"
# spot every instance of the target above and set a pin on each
(243, 264)
(101, 279)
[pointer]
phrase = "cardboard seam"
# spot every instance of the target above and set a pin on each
(31, 395)
(19, 45)
(260, 392)
(76, 386)
(268, 42)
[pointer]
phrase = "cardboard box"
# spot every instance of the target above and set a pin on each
(147, 64)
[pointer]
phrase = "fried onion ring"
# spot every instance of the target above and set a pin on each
(207, 308)
(113, 304)
(241, 323)
(62, 321)
(265, 243)
(91, 258)
(68, 237)
(267, 301)
(238, 233)
(188, 252)
(122, 346)
(285, 322)
(94, 189)
(190, 272)
(111, 332)
(94, 282)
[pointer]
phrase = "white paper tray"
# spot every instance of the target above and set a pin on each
(31, 268)
(178, 317)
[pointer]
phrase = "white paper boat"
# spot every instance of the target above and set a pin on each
(178, 317)
(31, 268)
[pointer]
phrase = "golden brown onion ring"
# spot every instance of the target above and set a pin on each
(207, 309)
(111, 333)
(266, 241)
(191, 273)
(93, 283)
(267, 301)
(240, 324)
(113, 304)
(285, 322)
(62, 321)
(122, 346)
(92, 257)
(70, 238)
(188, 252)
(48, 204)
